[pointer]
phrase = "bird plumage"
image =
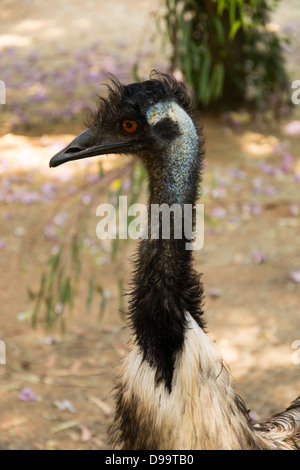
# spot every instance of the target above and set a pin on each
(174, 390)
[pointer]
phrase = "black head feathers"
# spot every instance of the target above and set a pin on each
(134, 99)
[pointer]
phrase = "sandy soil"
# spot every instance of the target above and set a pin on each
(252, 308)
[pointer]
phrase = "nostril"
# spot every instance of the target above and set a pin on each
(73, 150)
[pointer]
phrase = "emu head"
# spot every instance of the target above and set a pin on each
(140, 119)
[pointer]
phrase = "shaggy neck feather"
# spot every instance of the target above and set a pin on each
(165, 284)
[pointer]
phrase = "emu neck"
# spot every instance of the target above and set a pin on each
(165, 285)
(174, 170)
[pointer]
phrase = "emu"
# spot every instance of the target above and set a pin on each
(174, 390)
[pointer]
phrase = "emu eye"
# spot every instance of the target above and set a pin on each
(129, 126)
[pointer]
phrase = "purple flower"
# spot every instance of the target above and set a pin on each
(28, 197)
(269, 190)
(48, 189)
(126, 184)
(218, 193)
(92, 178)
(64, 176)
(237, 188)
(60, 219)
(256, 209)
(3, 245)
(59, 307)
(91, 243)
(265, 168)
(293, 128)
(215, 293)
(65, 405)
(280, 147)
(258, 257)
(72, 189)
(294, 209)
(287, 163)
(295, 276)
(11, 51)
(103, 260)
(235, 220)
(6, 183)
(218, 213)
(256, 184)
(33, 56)
(8, 216)
(27, 395)
(237, 173)
(86, 199)
(50, 231)
(49, 340)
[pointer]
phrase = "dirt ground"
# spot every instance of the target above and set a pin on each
(249, 260)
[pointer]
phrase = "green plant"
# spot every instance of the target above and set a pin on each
(225, 51)
(62, 281)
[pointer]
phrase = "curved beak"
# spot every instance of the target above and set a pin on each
(87, 145)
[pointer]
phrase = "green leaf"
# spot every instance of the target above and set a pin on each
(100, 168)
(54, 260)
(62, 326)
(115, 247)
(221, 6)
(65, 291)
(196, 56)
(219, 30)
(90, 293)
(38, 303)
(217, 80)
(234, 29)
(232, 11)
(105, 295)
(204, 90)
(187, 68)
(31, 294)
(49, 312)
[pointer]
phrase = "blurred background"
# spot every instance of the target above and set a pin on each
(62, 303)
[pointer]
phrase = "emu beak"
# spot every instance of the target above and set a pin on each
(87, 145)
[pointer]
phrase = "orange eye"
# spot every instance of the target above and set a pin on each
(129, 126)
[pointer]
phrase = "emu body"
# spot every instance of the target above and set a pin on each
(194, 415)
(174, 391)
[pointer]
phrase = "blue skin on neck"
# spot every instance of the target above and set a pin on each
(181, 153)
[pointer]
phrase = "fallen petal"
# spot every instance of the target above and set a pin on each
(295, 276)
(27, 395)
